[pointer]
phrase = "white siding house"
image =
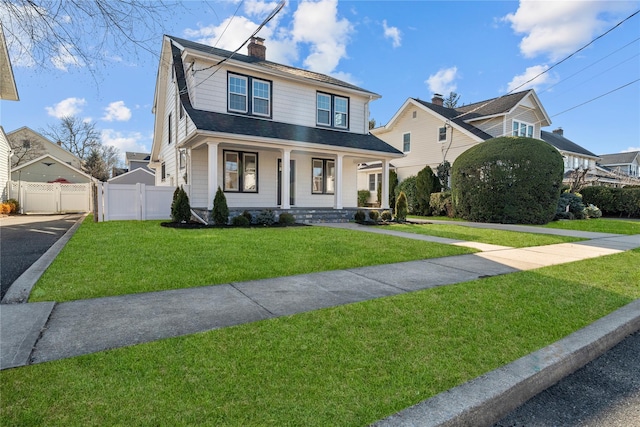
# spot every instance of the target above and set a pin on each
(242, 123)
(5, 165)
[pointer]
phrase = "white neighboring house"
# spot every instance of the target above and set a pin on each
(9, 92)
(242, 123)
(429, 133)
(577, 160)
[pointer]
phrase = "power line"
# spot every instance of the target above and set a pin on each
(597, 97)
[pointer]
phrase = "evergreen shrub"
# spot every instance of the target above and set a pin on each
(240, 221)
(507, 180)
(401, 207)
(359, 216)
(426, 183)
(220, 208)
(570, 206)
(247, 215)
(386, 216)
(374, 215)
(180, 208)
(266, 217)
(286, 218)
(408, 187)
(363, 196)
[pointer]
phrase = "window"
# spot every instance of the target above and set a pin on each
(522, 129)
(249, 96)
(406, 142)
(237, 93)
(26, 144)
(240, 171)
(332, 110)
(181, 111)
(261, 98)
(169, 128)
(183, 159)
(415, 114)
(323, 176)
(442, 134)
(163, 172)
(375, 180)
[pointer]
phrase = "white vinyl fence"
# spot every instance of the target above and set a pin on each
(134, 201)
(45, 198)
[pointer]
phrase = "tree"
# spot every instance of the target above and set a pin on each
(110, 156)
(25, 150)
(426, 183)
(451, 101)
(220, 208)
(393, 183)
(372, 124)
(77, 136)
(95, 166)
(401, 207)
(79, 32)
(180, 208)
(443, 171)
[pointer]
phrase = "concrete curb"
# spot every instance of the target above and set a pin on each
(486, 399)
(22, 286)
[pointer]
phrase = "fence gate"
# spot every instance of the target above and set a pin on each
(45, 198)
(134, 201)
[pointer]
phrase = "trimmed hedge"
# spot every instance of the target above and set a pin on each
(621, 202)
(426, 183)
(507, 180)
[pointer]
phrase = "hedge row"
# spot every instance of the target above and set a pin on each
(621, 202)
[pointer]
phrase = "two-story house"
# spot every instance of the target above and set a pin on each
(625, 165)
(579, 163)
(428, 133)
(269, 135)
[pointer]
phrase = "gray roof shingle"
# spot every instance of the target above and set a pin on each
(564, 144)
(619, 158)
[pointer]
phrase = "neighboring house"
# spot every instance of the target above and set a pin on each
(48, 168)
(626, 164)
(140, 175)
(29, 145)
(137, 160)
(269, 135)
(429, 133)
(577, 160)
(9, 92)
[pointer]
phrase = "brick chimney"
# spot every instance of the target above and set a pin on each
(257, 49)
(558, 131)
(437, 99)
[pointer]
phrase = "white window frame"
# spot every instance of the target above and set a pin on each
(344, 114)
(254, 97)
(440, 134)
(404, 142)
(163, 172)
(245, 94)
(318, 109)
(517, 127)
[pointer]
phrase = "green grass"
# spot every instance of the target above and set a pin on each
(348, 365)
(125, 257)
(600, 225)
(484, 235)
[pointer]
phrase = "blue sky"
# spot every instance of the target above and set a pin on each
(398, 49)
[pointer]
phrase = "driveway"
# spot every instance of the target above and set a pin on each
(24, 239)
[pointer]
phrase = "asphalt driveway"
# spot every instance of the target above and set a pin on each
(24, 239)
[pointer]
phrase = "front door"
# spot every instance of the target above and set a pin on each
(292, 188)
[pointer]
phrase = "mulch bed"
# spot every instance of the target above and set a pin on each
(197, 225)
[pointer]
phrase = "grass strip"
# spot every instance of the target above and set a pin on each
(484, 235)
(600, 225)
(348, 365)
(126, 257)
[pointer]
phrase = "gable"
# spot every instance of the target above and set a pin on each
(48, 168)
(8, 88)
(17, 137)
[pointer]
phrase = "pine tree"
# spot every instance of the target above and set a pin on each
(220, 209)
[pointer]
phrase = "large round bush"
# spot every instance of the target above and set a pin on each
(507, 180)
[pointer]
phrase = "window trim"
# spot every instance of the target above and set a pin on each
(163, 172)
(442, 137)
(229, 93)
(249, 105)
(182, 159)
(325, 175)
(254, 97)
(169, 130)
(520, 123)
(241, 171)
(333, 110)
(405, 142)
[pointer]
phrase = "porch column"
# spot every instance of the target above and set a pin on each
(286, 180)
(385, 185)
(212, 172)
(337, 185)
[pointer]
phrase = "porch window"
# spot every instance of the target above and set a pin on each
(240, 171)
(323, 176)
(375, 180)
(183, 159)
(406, 142)
(522, 129)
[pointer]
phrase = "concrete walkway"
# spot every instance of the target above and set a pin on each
(35, 333)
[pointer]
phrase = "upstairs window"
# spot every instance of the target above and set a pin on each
(442, 134)
(406, 142)
(249, 95)
(261, 98)
(332, 110)
(522, 129)
(237, 93)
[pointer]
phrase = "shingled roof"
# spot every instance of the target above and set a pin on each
(493, 106)
(619, 158)
(453, 115)
(564, 144)
(249, 126)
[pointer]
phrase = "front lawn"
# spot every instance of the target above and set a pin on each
(600, 225)
(125, 257)
(484, 235)
(349, 365)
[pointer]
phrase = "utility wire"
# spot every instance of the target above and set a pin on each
(597, 97)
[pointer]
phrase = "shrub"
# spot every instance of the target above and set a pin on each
(507, 180)
(15, 206)
(426, 183)
(570, 206)
(363, 197)
(247, 215)
(623, 202)
(592, 211)
(379, 195)
(385, 215)
(180, 208)
(286, 219)
(393, 184)
(374, 215)
(240, 221)
(220, 208)
(5, 208)
(401, 207)
(408, 187)
(266, 217)
(443, 171)
(440, 204)
(359, 216)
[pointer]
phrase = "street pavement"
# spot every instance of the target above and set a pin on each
(24, 239)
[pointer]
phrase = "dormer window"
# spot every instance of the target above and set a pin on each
(332, 110)
(522, 129)
(237, 93)
(248, 95)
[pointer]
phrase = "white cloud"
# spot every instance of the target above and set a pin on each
(392, 33)
(631, 149)
(259, 8)
(442, 82)
(327, 46)
(519, 82)
(65, 57)
(66, 107)
(557, 28)
(133, 141)
(117, 111)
